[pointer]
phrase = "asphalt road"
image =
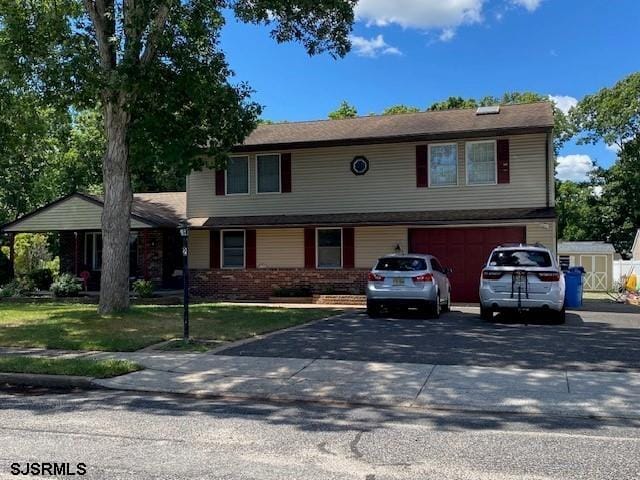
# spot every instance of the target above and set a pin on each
(130, 436)
(601, 340)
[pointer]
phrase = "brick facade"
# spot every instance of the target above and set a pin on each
(150, 249)
(259, 284)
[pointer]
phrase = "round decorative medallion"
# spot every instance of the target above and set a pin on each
(359, 165)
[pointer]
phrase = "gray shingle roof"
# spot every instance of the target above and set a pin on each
(568, 248)
(388, 218)
(403, 127)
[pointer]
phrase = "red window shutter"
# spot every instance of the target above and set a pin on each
(309, 248)
(503, 160)
(348, 248)
(250, 239)
(220, 182)
(422, 167)
(285, 172)
(214, 249)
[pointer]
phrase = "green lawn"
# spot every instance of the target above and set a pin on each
(67, 366)
(78, 327)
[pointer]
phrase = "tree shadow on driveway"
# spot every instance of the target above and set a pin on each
(588, 341)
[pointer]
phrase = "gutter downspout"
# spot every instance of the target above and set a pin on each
(548, 187)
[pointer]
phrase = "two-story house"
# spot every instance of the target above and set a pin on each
(314, 204)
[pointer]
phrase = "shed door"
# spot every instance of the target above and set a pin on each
(465, 250)
(596, 272)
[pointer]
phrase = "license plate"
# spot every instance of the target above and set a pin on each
(398, 281)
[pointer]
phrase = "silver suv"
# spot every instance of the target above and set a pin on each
(408, 281)
(522, 277)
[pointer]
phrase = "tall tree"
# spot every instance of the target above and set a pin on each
(157, 70)
(612, 115)
(345, 110)
(399, 109)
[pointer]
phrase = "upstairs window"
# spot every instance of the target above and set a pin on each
(481, 163)
(329, 241)
(443, 165)
(268, 173)
(232, 249)
(237, 176)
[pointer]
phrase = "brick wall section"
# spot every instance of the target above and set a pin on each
(259, 284)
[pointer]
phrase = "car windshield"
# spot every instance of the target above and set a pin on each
(520, 258)
(403, 264)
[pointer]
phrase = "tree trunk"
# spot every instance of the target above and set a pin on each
(116, 215)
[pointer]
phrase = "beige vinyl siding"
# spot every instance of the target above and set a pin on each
(598, 270)
(199, 249)
(373, 242)
(74, 213)
(544, 233)
(280, 248)
(323, 183)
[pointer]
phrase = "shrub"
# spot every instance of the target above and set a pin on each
(42, 278)
(18, 287)
(292, 292)
(66, 285)
(143, 288)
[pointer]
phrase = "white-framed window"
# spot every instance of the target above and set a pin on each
(93, 250)
(481, 164)
(329, 247)
(232, 249)
(268, 173)
(237, 181)
(443, 164)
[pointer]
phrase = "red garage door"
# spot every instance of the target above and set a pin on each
(464, 250)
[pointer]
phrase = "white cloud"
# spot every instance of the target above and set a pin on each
(372, 47)
(575, 168)
(564, 102)
(614, 147)
(447, 34)
(423, 14)
(530, 5)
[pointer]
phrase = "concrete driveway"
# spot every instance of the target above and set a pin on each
(602, 337)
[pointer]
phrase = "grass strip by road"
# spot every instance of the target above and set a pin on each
(78, 326)
(67, 366)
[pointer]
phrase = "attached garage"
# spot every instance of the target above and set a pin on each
(465, 250)
(595, 257)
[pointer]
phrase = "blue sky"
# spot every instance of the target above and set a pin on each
(420, 51)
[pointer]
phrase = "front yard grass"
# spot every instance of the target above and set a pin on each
(78, 326)
(67, 366)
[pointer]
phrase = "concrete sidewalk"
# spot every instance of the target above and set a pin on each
(558, 392)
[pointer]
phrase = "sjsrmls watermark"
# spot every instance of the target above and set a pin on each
(60, 469)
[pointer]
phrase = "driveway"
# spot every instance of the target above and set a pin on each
(604, 338)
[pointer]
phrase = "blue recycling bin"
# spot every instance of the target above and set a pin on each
(574, 279)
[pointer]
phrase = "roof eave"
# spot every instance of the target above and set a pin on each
(423, 137)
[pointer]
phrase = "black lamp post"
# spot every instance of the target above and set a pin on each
(184, 233)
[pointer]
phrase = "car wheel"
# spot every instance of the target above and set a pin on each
(486, 314)
(447, 306)
(560, 317)
(436, 308)
(373, 309)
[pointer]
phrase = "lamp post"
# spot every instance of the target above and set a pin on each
(184, 233)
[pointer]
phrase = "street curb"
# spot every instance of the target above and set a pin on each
(48, 381)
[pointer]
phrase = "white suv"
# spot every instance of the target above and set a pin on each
(522, 277)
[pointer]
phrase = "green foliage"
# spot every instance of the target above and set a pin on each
(31, 251)
(345, 110)
(66, 285)
(576, 206)
(398, 109)
(452, 103)
(42, 278)
(18, 287)
(143, 288)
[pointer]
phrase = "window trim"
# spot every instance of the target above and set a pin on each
(258, 192)
(318, 267)
(429, 176)
(226, 177)
(92, 263)
(495, 162)
(244, 248)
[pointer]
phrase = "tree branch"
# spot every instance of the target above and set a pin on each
(156, 29)
(97, 10)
